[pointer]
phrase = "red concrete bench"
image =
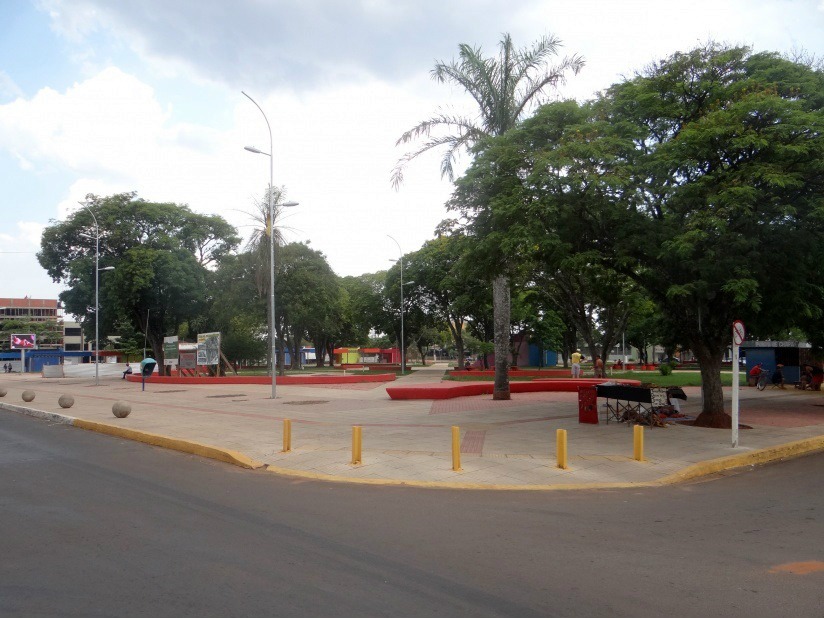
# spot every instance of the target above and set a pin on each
(449, 390)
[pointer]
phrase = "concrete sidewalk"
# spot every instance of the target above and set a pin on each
(504, 444)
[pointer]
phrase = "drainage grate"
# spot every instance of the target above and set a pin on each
(309, 402)
(225, 396)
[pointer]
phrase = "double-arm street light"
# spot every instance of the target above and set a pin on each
(97, 271)
(272, 361)
(402, 338)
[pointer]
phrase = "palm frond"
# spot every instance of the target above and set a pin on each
(455, 142)
(502, 87)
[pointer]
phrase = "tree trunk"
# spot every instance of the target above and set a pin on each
(422, 352)
(280, 360)
(712, 413)
(456, 328)
(500, 310)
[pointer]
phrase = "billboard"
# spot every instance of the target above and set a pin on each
(188, 360)
(26, 341)
(208, 349)
(170, 351)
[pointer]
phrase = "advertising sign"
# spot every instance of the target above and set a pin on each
(208, 349)
(188, 360)
(26, 341)
(170, 351)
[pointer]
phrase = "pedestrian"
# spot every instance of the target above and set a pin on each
(577, 357)
(128, 370)
(599, 367)
(778, 376)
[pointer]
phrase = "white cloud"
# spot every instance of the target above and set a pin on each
(333, 149)
(22, 273)
(339, 81)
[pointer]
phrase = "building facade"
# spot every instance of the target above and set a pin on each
(29, 309)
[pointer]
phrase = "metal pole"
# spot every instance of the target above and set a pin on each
(273, 362)
(96, 289)
(403, 357)
(96, 305)
(735, 400)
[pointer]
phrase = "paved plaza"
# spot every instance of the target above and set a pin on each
(504, 444)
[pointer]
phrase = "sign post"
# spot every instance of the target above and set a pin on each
(171, 352)
(739, 333)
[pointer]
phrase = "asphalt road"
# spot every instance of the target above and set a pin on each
(92, 525)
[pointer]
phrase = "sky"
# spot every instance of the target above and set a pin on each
(103, 97)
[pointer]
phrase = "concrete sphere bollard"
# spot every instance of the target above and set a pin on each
(28, 396)
(121, 409)
(3, 391)
(65, 401)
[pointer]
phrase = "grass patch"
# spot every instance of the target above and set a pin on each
(676, 378)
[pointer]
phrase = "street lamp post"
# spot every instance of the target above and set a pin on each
(403, 358)
(272, 361)
(97, 270)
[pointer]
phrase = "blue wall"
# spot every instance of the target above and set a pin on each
(766, 356)
(550, 357)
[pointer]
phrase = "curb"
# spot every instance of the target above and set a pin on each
(753, 458)
(705, 468)
(47, 416)
(176, 444)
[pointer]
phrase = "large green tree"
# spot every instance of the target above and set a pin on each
(308, 298)
(504, 88)
(701, 179)
(438, 284)
(160, 253)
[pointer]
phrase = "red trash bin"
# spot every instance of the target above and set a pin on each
(588, 405)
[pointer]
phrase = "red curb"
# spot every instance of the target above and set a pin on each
(448, 390)
(284, 380)
(529, 373)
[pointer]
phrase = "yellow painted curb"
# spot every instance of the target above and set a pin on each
(175, 444)
(317, 476)
(705, 468)
(753, 458)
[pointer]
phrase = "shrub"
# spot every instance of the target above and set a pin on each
(665, 369)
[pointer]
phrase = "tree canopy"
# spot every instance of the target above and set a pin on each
(159, 251)
(701, 180)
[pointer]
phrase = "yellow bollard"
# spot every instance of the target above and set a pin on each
(561, 448)
(356, 444)
(287, 436)
(638, 443)
(456, 448)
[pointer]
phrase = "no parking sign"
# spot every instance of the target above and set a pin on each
(739, 333)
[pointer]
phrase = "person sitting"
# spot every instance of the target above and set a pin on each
(778, 376)
(619, 364)
(128, 371)
(817, 378)
(807, 378)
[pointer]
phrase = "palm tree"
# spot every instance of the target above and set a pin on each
(504, 89)
(258, 244)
